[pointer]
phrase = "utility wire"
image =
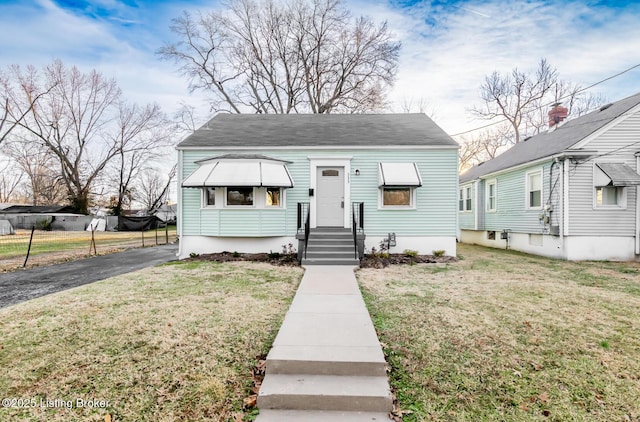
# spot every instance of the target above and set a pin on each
(556, 100)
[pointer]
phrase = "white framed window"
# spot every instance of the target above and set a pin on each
(208, 197)
(397, 197)
(274, 197)
(534, 189)
(464, 199)
(239, 196)
(491, 195)
(610, 197)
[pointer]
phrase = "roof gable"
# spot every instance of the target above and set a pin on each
(554, 142)
(318, 130)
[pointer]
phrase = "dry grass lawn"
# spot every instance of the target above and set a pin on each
(51, 247)
(175, 342)
(502, 335)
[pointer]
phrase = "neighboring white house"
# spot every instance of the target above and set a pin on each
(249, 183)
(571, 192)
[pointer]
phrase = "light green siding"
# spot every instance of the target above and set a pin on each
(466, 219)
(436, 200)
(511, 211)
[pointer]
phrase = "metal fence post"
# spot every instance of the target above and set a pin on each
(33, 228)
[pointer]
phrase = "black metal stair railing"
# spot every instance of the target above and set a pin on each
(357, 223)
(304, 214)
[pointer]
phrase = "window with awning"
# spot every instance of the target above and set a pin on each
(397, 182)
(238, 172)
(615, 174)
(399, 175)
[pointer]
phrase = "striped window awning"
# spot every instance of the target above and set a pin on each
(615, 174)
(399, 174)
(240, 170)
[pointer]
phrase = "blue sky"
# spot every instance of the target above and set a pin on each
(448, 47)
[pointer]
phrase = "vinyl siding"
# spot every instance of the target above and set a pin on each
(511, 212)
(467, 218)
(481, 208)
(436, 200)
(619, 144)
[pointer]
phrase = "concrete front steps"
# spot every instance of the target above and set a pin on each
(330, 246)
(326, 363)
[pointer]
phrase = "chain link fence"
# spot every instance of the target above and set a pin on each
(35, 247)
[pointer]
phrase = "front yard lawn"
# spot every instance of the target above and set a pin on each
(506, 336)
(174, 342)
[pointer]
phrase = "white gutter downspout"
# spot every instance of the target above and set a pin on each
(180, 201)
(476, 210)
(637, 233)
(565, 206)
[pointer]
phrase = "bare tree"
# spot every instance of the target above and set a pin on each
(186, 119)
(10, 178)
(43, 184)
(515, 95)
(483, 146)
(142, 134)
(153, 188)
(273, 57)
(13, 112)
(419, 105)
(77, 120)
(522, 101)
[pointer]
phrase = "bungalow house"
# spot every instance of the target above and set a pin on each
(571, 192)
(324, 183)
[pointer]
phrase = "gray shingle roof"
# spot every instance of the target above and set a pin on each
(550, 143)
(283, 130)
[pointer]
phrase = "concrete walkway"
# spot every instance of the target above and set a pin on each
(326, 363)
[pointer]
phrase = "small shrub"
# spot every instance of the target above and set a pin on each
(274, 255)
(410, 253)
(236, 254)
(439, 252)
(194, 255)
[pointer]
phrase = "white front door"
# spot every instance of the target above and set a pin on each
(330, 197)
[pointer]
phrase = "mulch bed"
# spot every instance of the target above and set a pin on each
(373, 261)
(369, 261)
(289, 260)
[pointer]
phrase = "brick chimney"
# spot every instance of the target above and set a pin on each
(557, 114)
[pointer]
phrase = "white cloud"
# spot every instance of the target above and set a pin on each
(447, 51)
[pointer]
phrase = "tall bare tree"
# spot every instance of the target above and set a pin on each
(483, 146)
(142, 134)
(77, 120)
(515, 95)
(10, 178)
(523, 99)
(153, 188)
(15, 82)
(43, 184)
(275, 57)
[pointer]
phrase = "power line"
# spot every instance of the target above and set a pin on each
(553, 102)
